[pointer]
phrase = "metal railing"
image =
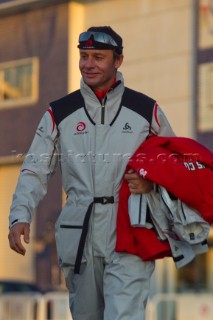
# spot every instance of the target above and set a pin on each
(173, 306)
(50, 306)
(55, 306)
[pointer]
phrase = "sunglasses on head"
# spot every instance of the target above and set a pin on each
(98, 37)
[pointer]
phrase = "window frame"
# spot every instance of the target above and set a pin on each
(25, 101)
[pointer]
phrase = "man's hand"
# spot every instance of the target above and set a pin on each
(15, 234)
(137, 184)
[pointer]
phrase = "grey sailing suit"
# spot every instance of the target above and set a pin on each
(92, 143)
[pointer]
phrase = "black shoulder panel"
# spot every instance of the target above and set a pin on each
(139, 103)
(65, 106)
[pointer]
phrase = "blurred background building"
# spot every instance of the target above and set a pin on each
(168, 49)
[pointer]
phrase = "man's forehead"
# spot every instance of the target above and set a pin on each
(95, 52)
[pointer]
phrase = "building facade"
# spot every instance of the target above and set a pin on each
(168, 54)
(33, 72)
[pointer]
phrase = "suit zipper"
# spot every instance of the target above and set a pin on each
(140, 207)
(103, 110)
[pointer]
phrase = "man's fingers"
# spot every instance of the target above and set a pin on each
(15, 244)
(15, 237)
(138, 184)
(131, 176)
(16, 247)
(130, 171)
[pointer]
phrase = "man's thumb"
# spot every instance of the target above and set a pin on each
(27, 234)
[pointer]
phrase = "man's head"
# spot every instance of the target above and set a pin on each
(100, 56)
(101, 38)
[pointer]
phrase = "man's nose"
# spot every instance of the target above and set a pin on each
(89, 63)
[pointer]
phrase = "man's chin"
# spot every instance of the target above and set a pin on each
(91, 82)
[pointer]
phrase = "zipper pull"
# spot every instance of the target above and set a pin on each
(103, 110)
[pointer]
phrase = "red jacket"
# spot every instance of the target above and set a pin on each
(181, 165)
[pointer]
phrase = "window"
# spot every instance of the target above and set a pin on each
(205, 24)
(205, 111)
(18, 82)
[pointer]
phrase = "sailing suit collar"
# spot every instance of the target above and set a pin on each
(110, 103)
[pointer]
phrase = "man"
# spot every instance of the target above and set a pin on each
(92, 132)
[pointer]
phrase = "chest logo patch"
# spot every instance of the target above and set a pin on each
(127, 128)
(81, 128)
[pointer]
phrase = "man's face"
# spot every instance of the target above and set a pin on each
(98, 68)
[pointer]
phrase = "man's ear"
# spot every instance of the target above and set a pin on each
(118, 61)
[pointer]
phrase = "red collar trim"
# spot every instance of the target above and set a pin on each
(101, 94)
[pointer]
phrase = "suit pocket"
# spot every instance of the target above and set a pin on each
(68, 232)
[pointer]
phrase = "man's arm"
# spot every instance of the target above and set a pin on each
(39, 165)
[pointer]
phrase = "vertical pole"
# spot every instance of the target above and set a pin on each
(194, 76)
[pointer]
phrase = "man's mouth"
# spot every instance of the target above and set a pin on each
(90, 75)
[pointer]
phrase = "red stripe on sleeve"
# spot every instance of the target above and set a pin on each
(155, 113)
(27, 170)
(53, 120)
